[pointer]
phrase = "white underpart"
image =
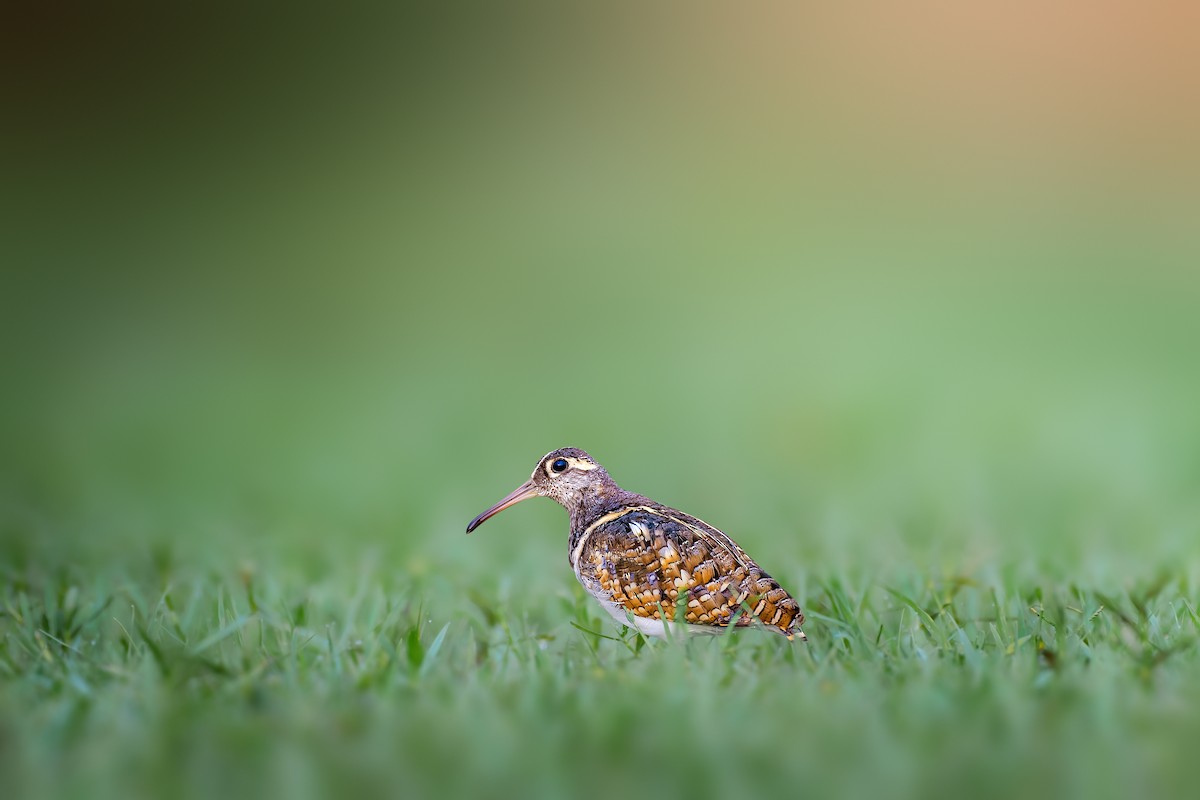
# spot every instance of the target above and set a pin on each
(647, 626)
(650, 627)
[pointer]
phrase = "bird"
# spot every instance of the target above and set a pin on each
(651, 567)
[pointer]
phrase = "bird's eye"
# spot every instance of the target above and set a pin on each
(559, 465)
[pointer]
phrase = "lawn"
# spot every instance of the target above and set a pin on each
(153, 679)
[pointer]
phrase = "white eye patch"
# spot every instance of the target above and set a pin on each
(572, 463)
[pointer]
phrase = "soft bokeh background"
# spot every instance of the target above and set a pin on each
(904, 291)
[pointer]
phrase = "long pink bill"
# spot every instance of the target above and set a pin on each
(523, 492)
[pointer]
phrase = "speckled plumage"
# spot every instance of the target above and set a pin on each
(648, 563)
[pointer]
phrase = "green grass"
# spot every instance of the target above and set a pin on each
(161, 681)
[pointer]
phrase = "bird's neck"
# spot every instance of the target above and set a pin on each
(593, 501)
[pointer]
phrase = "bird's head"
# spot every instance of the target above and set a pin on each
(565, 475)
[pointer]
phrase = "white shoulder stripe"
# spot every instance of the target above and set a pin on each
(609, 517)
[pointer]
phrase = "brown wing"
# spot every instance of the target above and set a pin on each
(651, 560)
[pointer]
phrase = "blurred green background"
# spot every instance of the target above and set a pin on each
(898, 298)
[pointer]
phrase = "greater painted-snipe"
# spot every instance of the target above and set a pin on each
(647, 563)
